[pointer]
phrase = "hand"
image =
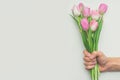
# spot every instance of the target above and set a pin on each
(92, 58)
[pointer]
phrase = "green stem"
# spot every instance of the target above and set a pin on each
(95, 71)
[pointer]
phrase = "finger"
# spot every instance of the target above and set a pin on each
(94, 60)
(87, 59)
(86, 53)
(90, 67)
(89, 63)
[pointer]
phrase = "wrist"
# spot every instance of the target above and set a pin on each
(109, 64)
(106, 65)
(112, 64)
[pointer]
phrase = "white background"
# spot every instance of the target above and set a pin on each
(40, 41)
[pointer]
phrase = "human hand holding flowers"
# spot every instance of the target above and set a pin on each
(92, 58)
(105, 63)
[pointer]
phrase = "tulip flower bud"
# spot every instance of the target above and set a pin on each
(85, 24)
(86, 11)
(102, 8)
(80, 7)
(76, 11)
(93, 25)
(95, 14)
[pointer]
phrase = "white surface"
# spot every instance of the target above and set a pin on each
(39, 40)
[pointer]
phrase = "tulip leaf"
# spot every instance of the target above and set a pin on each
(77, 20)
(84, 38)
(97, 33)
(74, 18)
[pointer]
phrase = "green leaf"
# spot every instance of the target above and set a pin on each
(90, 40)
(97, 33)
(85, 42)
(74, 18)
(77, 20)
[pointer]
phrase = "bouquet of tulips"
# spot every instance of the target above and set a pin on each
(90, 25)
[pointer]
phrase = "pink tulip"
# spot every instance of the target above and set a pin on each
(76, 11)
(85, 24)
(80, 6)
(86, 11)
(102, 8)
(95, 14)
(93, 25)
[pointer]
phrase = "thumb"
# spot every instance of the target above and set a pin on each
(101, 58)
(96, 54)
